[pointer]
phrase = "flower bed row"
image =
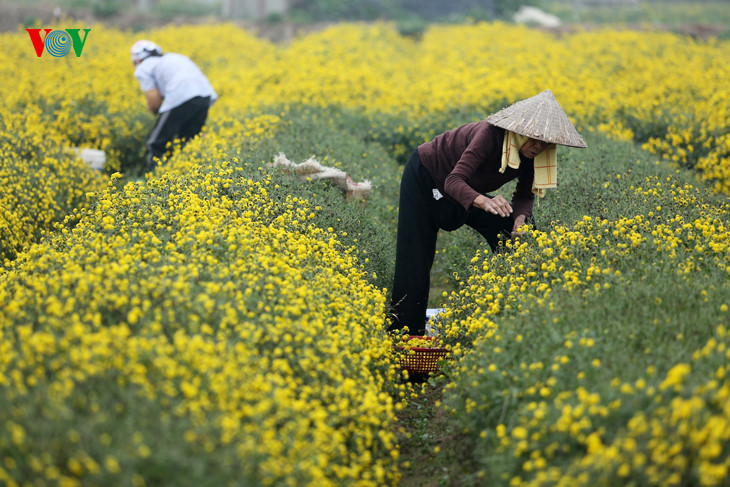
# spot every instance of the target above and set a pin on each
(600, 346)
(195, 329)
(42, 181)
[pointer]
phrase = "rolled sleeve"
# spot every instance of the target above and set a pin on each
(456, 184)
(144, 77)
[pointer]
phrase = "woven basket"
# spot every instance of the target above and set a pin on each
(420, 362)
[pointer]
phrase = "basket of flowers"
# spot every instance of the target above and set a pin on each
(420, 355)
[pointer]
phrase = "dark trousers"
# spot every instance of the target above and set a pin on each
(420, 216)
(184, 122)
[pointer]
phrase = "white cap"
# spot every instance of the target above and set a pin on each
(143, 49)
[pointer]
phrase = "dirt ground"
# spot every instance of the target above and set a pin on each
(423, 428)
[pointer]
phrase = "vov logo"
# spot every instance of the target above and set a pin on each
(58, 43)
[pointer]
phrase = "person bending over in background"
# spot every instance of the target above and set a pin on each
(176, 90)
(444, 186)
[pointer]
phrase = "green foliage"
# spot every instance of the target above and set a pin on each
(106, 8)
(368, 225)
(410, 15)
(412, 27)
(506, 8)
(707, 12)
(325, 135)
(630, 325)
(43, 182)
(166, 456)
(167, 9)
(247, 328)
(399, 134)
(331, 10)
(30, 22)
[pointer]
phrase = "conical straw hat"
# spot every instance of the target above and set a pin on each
(539, 117)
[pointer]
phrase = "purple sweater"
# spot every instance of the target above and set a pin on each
(465, 162)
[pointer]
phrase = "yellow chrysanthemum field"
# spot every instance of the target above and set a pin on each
(222, 322)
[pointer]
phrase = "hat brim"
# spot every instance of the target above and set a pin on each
(540, 117)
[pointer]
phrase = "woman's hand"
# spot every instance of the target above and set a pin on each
(519, 222)
(497, 205)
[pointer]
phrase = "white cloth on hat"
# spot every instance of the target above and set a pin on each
(545, 163)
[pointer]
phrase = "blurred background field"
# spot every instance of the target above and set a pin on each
(282, 19)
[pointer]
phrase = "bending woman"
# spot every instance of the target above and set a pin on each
(446, 181)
